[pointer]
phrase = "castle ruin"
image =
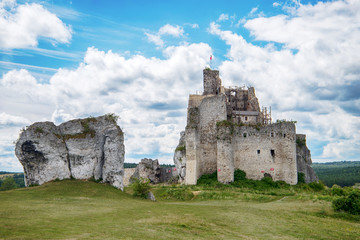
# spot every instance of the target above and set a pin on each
(226, 130)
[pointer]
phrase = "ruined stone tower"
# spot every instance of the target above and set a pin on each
(226, 130)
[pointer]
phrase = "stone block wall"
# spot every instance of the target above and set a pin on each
(212, 109)
(269, 150)
(225, 155)
(212, 82)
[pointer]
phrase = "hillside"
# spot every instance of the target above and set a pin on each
(73, 209)
(340, 173)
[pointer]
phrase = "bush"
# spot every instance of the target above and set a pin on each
(208, 179)
(269, 183)
(301, 177)
(336, 190)
(317, 186)
(239, 175)
(141, 187)
(349, 204)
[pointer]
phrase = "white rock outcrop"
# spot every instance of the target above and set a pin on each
(180, 158)
(148, 169)
(80, 148)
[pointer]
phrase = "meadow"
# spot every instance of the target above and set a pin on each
(74, 209)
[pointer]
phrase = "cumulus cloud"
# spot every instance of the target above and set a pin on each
(156, 39)
(167, 29)
(223, 17)
(7, 119)
(22, 25)
(192, 25)
(309, 67)
(149, 94)
(276, 4)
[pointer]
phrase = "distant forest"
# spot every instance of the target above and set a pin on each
(133, 165)
(340, 173)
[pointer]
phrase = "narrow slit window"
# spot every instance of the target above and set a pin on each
(245, 135)
(272, 134)
(284, 135)
(245, 118)
(272, 152)
(258, 151)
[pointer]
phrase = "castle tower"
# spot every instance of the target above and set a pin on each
(212, 81)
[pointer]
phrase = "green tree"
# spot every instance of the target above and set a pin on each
(141, 187)
(8, 183)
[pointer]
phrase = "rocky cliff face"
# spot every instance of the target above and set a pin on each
(148, 169)
(180, 158)
(81, 148)
(303, 159)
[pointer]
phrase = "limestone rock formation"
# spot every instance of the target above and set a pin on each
(148, 169)
(303, 159)
(180, 158)
(80, 148)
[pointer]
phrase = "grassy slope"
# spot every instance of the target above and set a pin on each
(85, 210)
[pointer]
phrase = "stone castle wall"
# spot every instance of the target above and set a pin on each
(266, 151)
(201, 148)
(244, 138)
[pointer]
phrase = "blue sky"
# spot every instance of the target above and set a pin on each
(140, 59)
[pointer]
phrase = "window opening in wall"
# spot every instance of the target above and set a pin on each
(258, 151)
(244, 135)
(245, 118)
(272, 134)
(284, 135)
(272, 152)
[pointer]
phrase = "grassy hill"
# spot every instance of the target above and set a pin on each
(340, 173)
(73, 209)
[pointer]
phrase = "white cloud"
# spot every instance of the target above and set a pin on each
(168, 29)
(308, 71)
(149, 94)
(22, 25)
(276, 4)
(156, 39)
(7, 119)
(223, 17)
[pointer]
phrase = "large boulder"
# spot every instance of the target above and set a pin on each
(148, 169)
(80, 148)
(303, 159)
(180, 158)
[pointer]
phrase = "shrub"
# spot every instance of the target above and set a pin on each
(39, 130)
(317, 186)
(239, 175)
(180, 148)
(208, 179)
(349, 204)
(300, 142)
(141, 187)
(112, 117)
(336, 190)
(301, 177)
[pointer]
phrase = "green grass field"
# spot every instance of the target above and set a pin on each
(73, 209)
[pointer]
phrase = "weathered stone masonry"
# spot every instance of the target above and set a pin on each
(227, 131)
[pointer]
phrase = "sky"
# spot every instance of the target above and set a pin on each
(61, 60)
